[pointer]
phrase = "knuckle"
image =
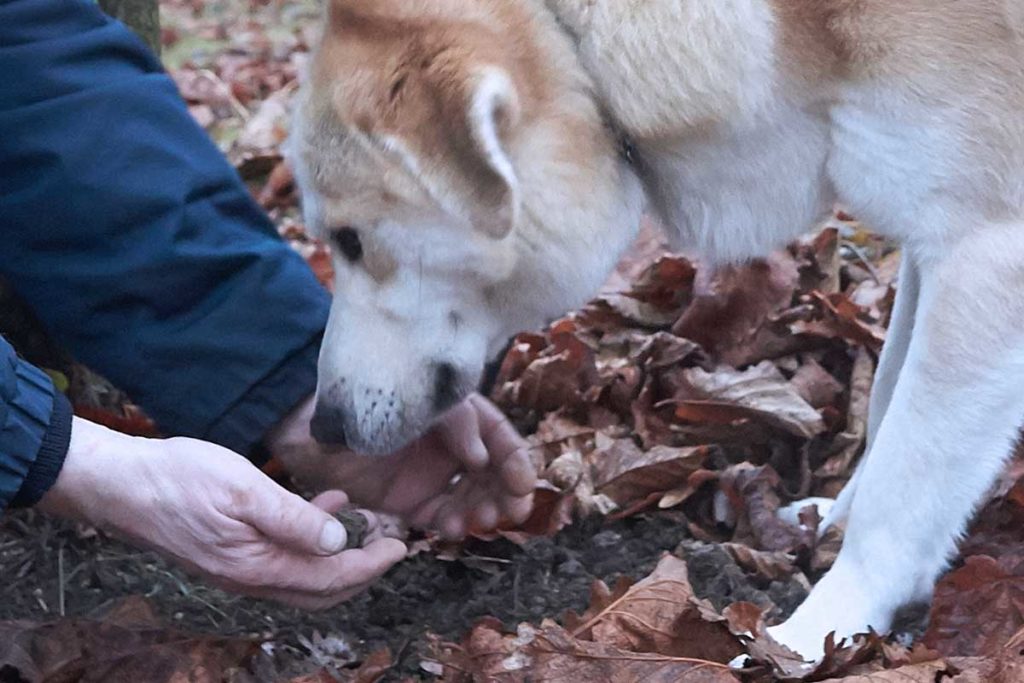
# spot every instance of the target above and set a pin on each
(240, 501)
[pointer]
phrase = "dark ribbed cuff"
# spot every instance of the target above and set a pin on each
(50, 458)
(244, 425)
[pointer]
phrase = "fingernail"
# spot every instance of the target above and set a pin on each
(333, 537)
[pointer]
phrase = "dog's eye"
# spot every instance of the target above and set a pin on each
(346, 240)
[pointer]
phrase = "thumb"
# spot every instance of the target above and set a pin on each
(296, 523)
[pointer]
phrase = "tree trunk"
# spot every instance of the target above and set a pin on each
(141, 16)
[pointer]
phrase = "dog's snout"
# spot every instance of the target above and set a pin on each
(328, 425)
(446, 392)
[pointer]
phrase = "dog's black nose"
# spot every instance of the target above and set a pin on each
(446, 391)
(328, 425)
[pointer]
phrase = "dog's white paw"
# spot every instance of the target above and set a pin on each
(791, 513)
(806, 640)
(839, 604)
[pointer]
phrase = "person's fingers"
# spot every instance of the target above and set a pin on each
(484, 516)
(325, 576)
(374, 531)
(451, 519)
(336, 501)
(460, 434)
(373, 526)
(331, 501)
(291, 521)
(364, 565)
(518, 474)
(426, 515)
(517, 510)
(509, 451)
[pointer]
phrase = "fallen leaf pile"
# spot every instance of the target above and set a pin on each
(727, 394)
(238, 72)
(128, 644)
(722, 391)
(657, 630)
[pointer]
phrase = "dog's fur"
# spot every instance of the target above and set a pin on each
(474, 147)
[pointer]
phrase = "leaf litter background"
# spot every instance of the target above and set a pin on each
(670, 419)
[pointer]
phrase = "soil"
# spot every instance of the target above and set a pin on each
(52, 568)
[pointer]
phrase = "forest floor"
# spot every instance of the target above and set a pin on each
(670, 419)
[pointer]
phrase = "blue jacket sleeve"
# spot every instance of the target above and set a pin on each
(35, 430)
(134, 240)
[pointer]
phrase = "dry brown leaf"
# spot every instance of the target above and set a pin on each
(130, 421)
(280, 190)
(978, 607)
(746, 622)
(840, 318)
(925, 672)
(649, 246)
(816, 385)
(128, 648)
(265, 130)
(559, 658)
(552, 655)
(627, 474)
(773, 566)
(373, 668)
(753, 491)
(601, 598)
(557, 428)
(733, 306)
(552, 512)
(1004, 668)
(820, 262)
(759, 393)
(554, 378)
(849, 444)
(654, 301)
(661, 614)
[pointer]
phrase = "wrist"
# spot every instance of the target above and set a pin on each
(93, 463)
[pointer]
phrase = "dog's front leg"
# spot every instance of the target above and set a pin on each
(953, 417)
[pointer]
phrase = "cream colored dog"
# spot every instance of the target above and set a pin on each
(464, 157)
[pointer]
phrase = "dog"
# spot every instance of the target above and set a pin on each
(480, 165)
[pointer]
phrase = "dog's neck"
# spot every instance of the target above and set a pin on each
(627, 148)
(692, 87)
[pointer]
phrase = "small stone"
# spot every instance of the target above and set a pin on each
(606, 539)
(356, 525)
(572, 567)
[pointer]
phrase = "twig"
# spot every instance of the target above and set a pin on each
(487, 558)
(62, 580)
(239, 108)
(864, 260)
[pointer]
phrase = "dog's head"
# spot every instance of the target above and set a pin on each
(453, 156)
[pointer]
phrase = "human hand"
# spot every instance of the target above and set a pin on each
(474, 441)
(213, 512)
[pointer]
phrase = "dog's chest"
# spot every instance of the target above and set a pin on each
(889, 162)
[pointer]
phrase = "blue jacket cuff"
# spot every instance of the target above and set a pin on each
(244, 425)
(50, 458)
(35, 436)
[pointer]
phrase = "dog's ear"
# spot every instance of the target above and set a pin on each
(492, 114)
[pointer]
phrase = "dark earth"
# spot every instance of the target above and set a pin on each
(49, 566)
